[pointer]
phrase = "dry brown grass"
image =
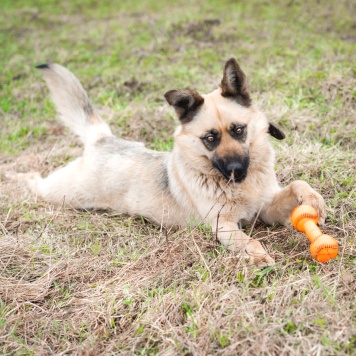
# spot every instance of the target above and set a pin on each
(97, 282)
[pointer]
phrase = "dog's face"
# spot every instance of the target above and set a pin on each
(221, 128)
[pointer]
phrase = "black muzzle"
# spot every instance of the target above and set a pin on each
(232, 168)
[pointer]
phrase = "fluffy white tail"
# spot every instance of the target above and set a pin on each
(73, 105)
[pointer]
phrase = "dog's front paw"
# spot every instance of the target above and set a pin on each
(257, 255)
(305, 194)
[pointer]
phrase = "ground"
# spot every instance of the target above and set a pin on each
(91, 282)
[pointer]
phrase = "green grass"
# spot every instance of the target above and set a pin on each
(101, 282)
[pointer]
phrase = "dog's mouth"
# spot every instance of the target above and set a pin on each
(234, 170)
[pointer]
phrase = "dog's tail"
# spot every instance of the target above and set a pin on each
(73, 105)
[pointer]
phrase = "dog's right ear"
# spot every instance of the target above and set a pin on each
(186, 103)
(234, 83)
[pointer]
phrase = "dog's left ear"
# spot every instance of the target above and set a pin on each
(233, 84)
(186, 102)
(275, 132)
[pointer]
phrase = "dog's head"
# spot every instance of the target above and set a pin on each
(222, 128)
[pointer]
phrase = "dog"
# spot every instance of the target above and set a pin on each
(220, 171)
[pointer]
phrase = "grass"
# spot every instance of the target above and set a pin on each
(75, 282)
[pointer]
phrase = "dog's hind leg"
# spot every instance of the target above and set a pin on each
(70, 185)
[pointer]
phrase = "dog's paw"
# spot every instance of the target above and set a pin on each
(305, 194)
(30, 179)
(9, 176)
(257, 255)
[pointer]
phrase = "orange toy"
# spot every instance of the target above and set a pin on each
(322, 247)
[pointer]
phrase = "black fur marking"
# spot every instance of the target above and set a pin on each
(275, 132)
(88, 109)
(163, 180)
(43, 66)
(186, 102)
(233, 84)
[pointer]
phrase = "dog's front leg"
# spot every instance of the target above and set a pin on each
(235, 239)
(286, 199)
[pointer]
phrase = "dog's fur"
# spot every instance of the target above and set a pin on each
(220, 172)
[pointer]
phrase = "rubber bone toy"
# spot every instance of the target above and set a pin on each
(323, 247)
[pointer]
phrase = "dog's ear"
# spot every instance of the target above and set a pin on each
(186, 102)
(276, 132)
(233, 84)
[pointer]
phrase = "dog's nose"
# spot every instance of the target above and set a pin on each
(234, 166)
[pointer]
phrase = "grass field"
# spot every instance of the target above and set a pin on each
(89, 283)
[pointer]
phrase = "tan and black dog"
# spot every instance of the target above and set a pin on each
(220, 171)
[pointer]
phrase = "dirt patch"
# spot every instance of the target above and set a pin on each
(202, 31)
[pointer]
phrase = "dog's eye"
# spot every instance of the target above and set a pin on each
(211, 139)
(239, 131)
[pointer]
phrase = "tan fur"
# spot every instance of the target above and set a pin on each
(184, 185)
